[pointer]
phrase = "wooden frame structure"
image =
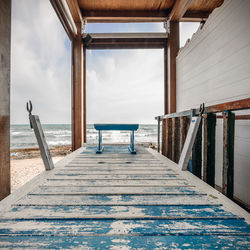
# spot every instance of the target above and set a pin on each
(73, 15)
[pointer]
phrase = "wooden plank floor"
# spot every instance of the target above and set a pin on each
(120, 201)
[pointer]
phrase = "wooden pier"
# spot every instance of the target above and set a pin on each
(118, 200)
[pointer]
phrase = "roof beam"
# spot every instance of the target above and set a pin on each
(63, 12)
(75, 10)
(179, 9)
(125, 40)
(124, 16)
(195, 16)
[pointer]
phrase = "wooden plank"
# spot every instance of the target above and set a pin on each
(113, 183)
(228, 154)
(197, 153)
(5, 47)
(186, 152)
(163, 138)
(172, 51)
(116, 200)
(114, 177)
(43, 146)
(179, 9)
(169, 139)
(81, 190)
(125, 227)
(119, 212)
(78, 86)
(209, 148)
(101, 242)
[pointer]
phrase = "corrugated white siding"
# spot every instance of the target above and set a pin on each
(214, 67)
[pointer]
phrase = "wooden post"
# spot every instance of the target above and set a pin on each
(78, 91)
(172, 51)
(197, 153)
(209, 128)
(176, 139)
(169, 138)
(5, 33)
(184, 126)
(164, 143)
(228, 154)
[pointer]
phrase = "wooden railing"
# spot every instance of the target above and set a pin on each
(202, 162)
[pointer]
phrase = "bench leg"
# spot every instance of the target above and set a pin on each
(132, 146)
(100, 147)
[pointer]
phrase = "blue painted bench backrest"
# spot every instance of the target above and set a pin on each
(132, 127)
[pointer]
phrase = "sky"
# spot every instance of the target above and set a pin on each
(123, 86)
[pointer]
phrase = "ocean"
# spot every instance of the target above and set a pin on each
(22, 136)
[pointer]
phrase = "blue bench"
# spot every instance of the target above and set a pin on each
(127, 127)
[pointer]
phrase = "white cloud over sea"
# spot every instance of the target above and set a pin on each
(122, 85)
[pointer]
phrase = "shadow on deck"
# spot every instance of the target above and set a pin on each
(119, 200)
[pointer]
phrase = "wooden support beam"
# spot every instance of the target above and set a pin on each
(197, 153)
(209, 128)
(125, 40)
(176, 146)
(5, 40)
(78, 91)
(75, 10)
(179, 9)
(173, 48)
(228, 154)
(123, 16)
(63, 12)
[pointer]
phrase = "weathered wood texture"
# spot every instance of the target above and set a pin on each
(43, 146)
(78, 91)
(172, 50)
(148, 40)
(209, 126)
(5, 39)
(167, 138)
(197, 153)
(136, 210)
(189, 142)
(228, 154)
(218, 74)
(146, 11)
(176, 146)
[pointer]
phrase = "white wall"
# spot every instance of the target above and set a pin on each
(214, 67)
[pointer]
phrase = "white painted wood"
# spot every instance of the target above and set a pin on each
(189, 142)
(214, 68)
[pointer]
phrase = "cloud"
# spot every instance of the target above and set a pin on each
(40, 63)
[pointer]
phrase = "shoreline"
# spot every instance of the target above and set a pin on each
(30, 153)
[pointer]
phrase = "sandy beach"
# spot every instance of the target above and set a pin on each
(27, 163)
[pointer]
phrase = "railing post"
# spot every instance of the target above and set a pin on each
(197, 153)
(228, 154)
(176, 139)
(209, 128)
(169, 138)
(158, 133)
(164, 131)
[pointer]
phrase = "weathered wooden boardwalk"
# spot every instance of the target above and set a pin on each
(118, 200)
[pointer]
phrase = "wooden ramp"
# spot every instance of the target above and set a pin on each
(117, 200)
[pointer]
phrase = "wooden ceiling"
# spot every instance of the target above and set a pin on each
(144, 10)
